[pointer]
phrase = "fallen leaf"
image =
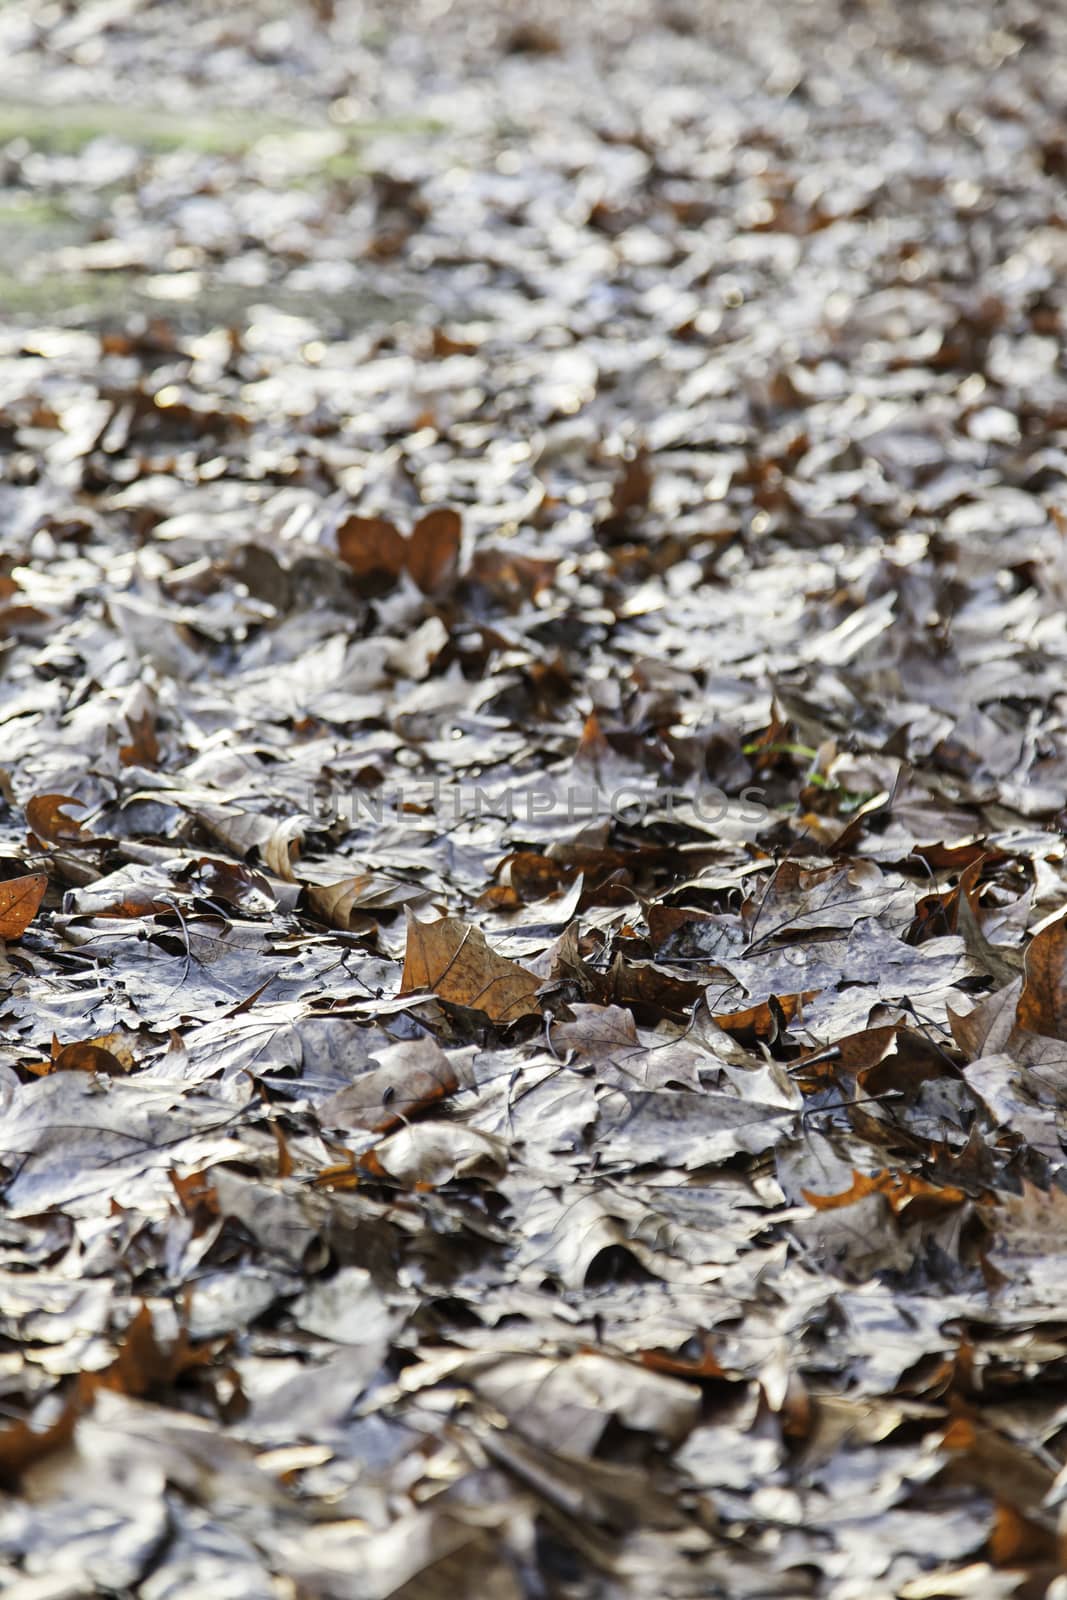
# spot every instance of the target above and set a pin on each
(19, 901)
(1042, 1005)
(46, 815)
(908, 1195)
(454, 960)
(433, 550)
(373, 548)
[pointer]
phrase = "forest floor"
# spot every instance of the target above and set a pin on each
(533, 763)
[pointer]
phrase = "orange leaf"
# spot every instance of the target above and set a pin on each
(141, 1367)
(761, 1021)
(433, 550)
(453, 959)
(45, 815)
(143, 749)
(85, 1057)
(899, 1189)
(19, 900)
(1042, 1006)
(373, 548)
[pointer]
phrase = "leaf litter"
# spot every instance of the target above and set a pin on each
(533, 969)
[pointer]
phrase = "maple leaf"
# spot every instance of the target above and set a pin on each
(454, 960)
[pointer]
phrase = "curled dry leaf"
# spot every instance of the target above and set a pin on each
(368, 892)
(409, 1077)
(91, 1055)
(377, 552)
(454, 960)
(282, 847)
(433, 550)
(766, 1020)
(373, 548)
(908, 1195)
(19, 900)
(1042, 1006)
(427, 1154)
(46, 815)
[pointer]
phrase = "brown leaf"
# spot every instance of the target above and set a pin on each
(19, 900)
(141, 1367)
(762, 1021)
(1016, 1541)
(433, 550)
(534, 876)
(1042, 1006)
(633, 487)
(81, 1057)
(510, 577)
(143, 748)
(370, 893)
(453, 959)
(409, 1078)
(374, 550)
(45, 815)
(22, 1445)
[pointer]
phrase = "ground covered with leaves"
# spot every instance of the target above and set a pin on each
(533, 754)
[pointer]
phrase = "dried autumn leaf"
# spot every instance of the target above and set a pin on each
(409, 1078)
(632, 489)
(1042, 1006)
(141, 1367)
(907, 1194)
(368, 892)
(509, 577)
(433, 550)
(427, 1154)
(46, 815)
(373, 548)
(143, 748)
(22, 1445)
(81, 1057)
(453, 959)
(763, 1021)
(19, 900)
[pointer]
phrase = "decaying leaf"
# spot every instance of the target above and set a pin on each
(369, 893)
(378, 553)
(89, 1056)
(597, 472)
(407, 1079)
